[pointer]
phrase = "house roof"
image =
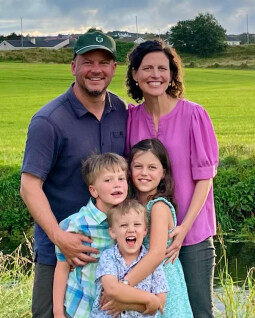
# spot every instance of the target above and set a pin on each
(38, 43)
(18, 43)
(232, 38)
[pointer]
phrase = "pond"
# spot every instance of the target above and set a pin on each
(240, 255)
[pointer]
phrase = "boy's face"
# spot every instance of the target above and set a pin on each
(109, 189)
(129, 230)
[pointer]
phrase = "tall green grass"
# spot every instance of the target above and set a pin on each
(16, 283)
(236, 297)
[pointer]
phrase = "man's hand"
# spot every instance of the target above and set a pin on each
(75, 252)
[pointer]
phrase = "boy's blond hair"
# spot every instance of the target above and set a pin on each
(93, 165)
(124, 208)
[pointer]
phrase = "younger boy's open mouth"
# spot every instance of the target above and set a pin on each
(131, 240)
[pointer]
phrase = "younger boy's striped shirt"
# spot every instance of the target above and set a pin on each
(80, 291)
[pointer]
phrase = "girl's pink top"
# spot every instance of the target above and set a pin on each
(189, 138)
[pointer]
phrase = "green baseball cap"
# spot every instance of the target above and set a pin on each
(94, 41)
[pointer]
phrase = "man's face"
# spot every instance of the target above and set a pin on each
(93, 71)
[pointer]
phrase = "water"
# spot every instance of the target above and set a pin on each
(240, 255)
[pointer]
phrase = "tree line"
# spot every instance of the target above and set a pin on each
(202, 36)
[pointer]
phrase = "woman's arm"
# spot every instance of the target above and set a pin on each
(199, 197)
(160, 216)
(59, 288)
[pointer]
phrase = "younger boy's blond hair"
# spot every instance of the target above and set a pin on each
(93, 165)
(124, 208)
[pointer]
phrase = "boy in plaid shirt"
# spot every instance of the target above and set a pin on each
(106, 177)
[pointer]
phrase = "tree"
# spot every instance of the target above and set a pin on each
(13, 36)
(93, 29)
(203, 36)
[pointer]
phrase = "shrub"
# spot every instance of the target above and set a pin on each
(122, 49)
(234, 191)
(14, 217)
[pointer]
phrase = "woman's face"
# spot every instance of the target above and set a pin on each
(153, 75)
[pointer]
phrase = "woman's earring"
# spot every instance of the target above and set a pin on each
(170, 84)
(136, 83)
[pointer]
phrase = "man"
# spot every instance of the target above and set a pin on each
(86, 119)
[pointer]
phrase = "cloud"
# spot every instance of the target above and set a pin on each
(76, 16)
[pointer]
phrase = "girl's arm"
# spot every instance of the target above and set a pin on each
(199, 197)
(161, 219)
(59, 288)
(132, 297)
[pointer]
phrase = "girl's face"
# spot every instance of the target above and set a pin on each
(146, 172)
(153, 75)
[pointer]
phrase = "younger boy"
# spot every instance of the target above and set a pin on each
(74, 291)
(128, 226)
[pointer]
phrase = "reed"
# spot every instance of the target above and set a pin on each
(16, 283)
(237, 297)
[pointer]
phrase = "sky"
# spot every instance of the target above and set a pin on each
(53, 17)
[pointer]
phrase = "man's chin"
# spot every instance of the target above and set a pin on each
(95, 93)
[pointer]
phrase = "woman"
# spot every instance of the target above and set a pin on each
(154, 76)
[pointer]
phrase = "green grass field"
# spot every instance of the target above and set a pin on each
(228, 96)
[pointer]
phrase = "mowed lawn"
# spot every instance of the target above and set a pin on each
(228, 96)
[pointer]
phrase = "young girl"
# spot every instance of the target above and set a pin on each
(153, 186)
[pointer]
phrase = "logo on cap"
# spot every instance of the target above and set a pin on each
(99, 39)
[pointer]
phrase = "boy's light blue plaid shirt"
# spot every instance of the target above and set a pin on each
(80, 292)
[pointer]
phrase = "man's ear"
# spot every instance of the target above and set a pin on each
(112, 233)
(73, 67)
(93, 191)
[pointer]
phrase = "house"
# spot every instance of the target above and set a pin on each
(232, 40)
(139, 40)
(55, 44)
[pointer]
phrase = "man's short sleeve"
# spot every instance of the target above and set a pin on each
(42, 147)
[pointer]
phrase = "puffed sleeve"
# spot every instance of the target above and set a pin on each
(204, 146)
(128, 132)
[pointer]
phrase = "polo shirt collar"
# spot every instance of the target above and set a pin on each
(78, 107)
(95, 213)
(121, 260)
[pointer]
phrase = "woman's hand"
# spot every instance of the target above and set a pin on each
(172, 252)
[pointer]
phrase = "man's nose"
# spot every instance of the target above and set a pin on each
(96, 68)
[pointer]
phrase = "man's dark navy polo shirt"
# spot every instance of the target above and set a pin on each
(60, 136)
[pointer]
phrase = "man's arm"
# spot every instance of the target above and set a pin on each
(59, 288)
(38, 205)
